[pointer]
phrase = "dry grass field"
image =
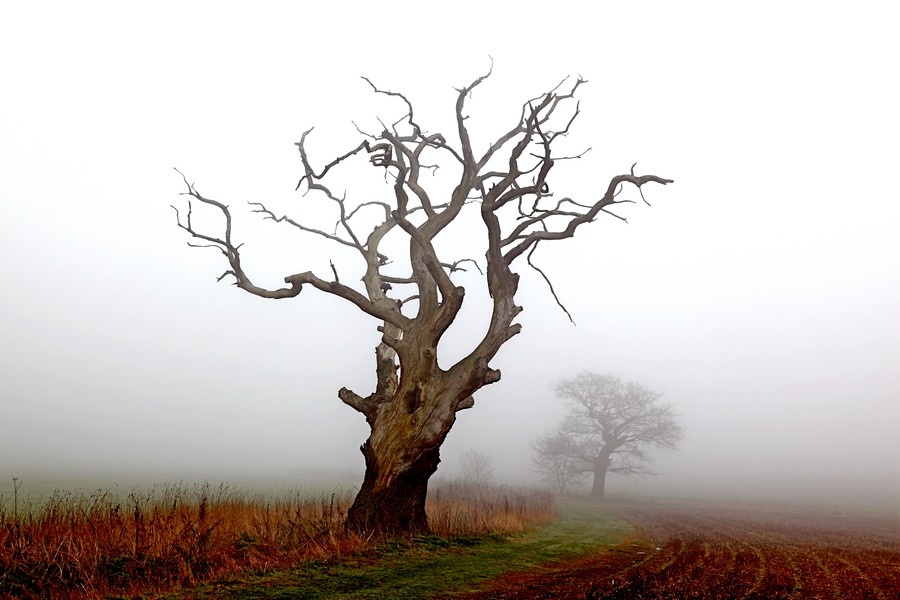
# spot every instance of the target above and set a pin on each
(170, 540)
(101, 545)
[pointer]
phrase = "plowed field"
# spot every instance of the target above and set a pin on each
(727, 552)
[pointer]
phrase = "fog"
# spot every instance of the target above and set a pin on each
(760, 292)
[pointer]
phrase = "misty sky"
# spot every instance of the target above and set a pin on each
(760, 292)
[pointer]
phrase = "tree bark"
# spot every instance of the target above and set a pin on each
(392, 500)
(408, 421)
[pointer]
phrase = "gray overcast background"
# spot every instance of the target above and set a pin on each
(761, 292)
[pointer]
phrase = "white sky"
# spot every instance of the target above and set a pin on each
(761, 291)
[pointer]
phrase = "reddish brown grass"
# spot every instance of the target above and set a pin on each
(100, 545)
(456, 509)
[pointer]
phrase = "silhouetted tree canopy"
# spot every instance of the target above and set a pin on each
(610, 427)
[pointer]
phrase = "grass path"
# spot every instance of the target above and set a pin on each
(431, 566)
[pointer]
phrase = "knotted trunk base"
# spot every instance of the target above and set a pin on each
(395, 507)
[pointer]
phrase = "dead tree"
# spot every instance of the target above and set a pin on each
(415, 400)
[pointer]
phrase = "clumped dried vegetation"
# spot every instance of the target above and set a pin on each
(98, 545)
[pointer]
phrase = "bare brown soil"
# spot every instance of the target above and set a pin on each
(726, 552)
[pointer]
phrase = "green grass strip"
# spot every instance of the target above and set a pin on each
(429, 567)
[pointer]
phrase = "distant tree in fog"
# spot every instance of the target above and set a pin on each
(477, 468)
(610, 428)
(558, 461)
(506, 179)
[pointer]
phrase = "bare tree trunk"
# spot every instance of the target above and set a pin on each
(601, 467)
(391, 499)
(598, 490)
(409, 420)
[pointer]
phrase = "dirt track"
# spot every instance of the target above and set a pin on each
(727, 552)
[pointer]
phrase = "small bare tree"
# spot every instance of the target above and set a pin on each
(610, 427)
(477, 468)
(558, 461)
(416, 300)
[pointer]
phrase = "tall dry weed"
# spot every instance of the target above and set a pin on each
(459, 509)
(97, 545)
